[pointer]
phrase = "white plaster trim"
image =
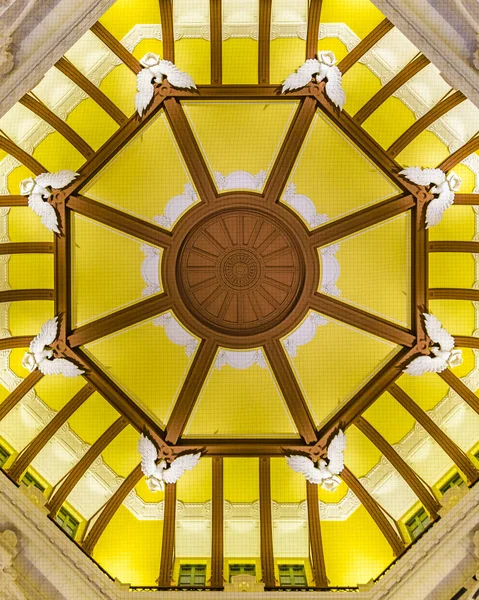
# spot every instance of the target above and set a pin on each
(150, 269)
(240, 180)
(304, 334)
(176, 333)
(176, 206)
(304, 206)
(241, 359)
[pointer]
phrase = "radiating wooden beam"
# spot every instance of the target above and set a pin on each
(459, 387)
(191, 389)
(76, 473)
(466, 341)
(460, 458)
(290, 390)
(167, 29)
(264, 39)
(21, 341)
(217, 523)
(25, 295)
(362, 219)
(239, 92)
(315, 539)
(19, 392)
(440, 109)
(28, 161)
(266, 522)
(419, 270)
(69, 69)
(456, 246)
(62, 271)
(216, 41)
(168, 539)
(467, 199)
(460, 154)
(424, 494)
(289, 151)
(28, 454)
(241, 447)
(110, 509)
(26, 248)
(364, 45)
(332, 307)
(117, 47)
(312, 35)
(453, 294)
(42, 111)
(375, 511)
(12, 200)
(411, 69)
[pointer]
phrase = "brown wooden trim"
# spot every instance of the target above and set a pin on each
(11, 200)
(362, 219)
(424, 494)
(466, 341)
(239, 92)
(312, 35)
(459, 457)
(453, 294)
(191, 389)
(217, 523)
(28, 161)
(419, 270)
(318, 564)
(17, 394)
(62, 265)
(334, 308)
(22, 341)
(168, 540)
(364, 45)
(24, 295)
(392, 86)
(26, 248)
(110, 509)
(289, 150)
(82, 466)
(290, 390)
(240, 447)
(167, 29)
(458, 246)
(216, 44)
(126, 317)
(264, 38)
(460, 154)
(142, 230)
(69, 69)
(117, 47)
(440, 109)
(375, 510)
(266, 522)
(468, 199)
(42, 111)
(190, 150)
(28, 454)
(461, 388)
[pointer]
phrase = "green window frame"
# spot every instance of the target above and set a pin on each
(242, 569)
(192, 575)
(418, 523)
(4, 456)
(29, 479)
(292, 575)
(455, 480)
(67, 522)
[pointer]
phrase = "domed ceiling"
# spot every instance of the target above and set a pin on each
(242, 272)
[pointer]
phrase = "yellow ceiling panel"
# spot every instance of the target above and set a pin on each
(146, 494)
(120, 86)
(194, 57)
(15, 361)
(122, 453)
(55, 154)
(457, 316)
(360, 455)
(426, 150)
(389, 121)
(25, 226)
(196, 485)
(57, 390)
(246, 471)
(240, 61)
(426, 390)
(468, 178)
(240, 402)
(360, 84)
(333, 497)
(286, 55)
(27, 318)
(29, 271)
(147, 45)
(93, 417)
(116, 278)
(14, 178)
(123, 15)
(389, 418)
(286, 485)
(451, 270)
(360, 15)
(334, 45)
(457, 223)
(92, 123)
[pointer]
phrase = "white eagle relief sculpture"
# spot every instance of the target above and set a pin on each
(40, 355)
(157, 474)
(322, 67)
(326, 474)
(39, 190)
(155, 70)
(444, 188)
(445, 355)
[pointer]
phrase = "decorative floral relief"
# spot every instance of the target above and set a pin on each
(330, 270)
(176, 333)
(150, 269)
(176, 206)
(240, 360)
(240, 180)
(304, 206)
(304, 334)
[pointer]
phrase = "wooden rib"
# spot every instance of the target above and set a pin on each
(367, 217)
(364, 45)
(27, 456)
(419, 270)
(312, 35)
(392, 86)
(459, 246)
(117, 47)
(468, 199)
(191, 389)
(239, 92)
(375, 510)
(240, 447)
(264, 38)
(167, 29)
(76, 473)
(17, 394)
(459, 387)
(168, 540)
(126, 317)
(69, 69)
(466, 341)
(190, 150)
(216, 44)
(24, 295)
(459, 457)
(26, 248)
(11, 200)
(217, 524)
(266, 522)
(332, 307)
(142, 230)
(110, 509)
(22, 341)
(28, 161)
(425, 121)
(453, 294)
(62, 271)
(315, 539)
(407, 473)
(42, 111)
(460, 154)
(289, 151)
(290, 390)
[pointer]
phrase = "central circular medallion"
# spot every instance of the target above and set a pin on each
(240, 270)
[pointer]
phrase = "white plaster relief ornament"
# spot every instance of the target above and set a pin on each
(322, 68)
(155, 70)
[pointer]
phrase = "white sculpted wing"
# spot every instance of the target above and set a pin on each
(176, 78)
(336, 453)
(145, 89)
(425, 364)
(334, 88)
(437, 333)
(149, 455)
(59, 366)
(424, 176)
(302, 76)
(46, 337)
(304, 465)
(179, 466)
(57, 180)
(45, 211)
(437, 206)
